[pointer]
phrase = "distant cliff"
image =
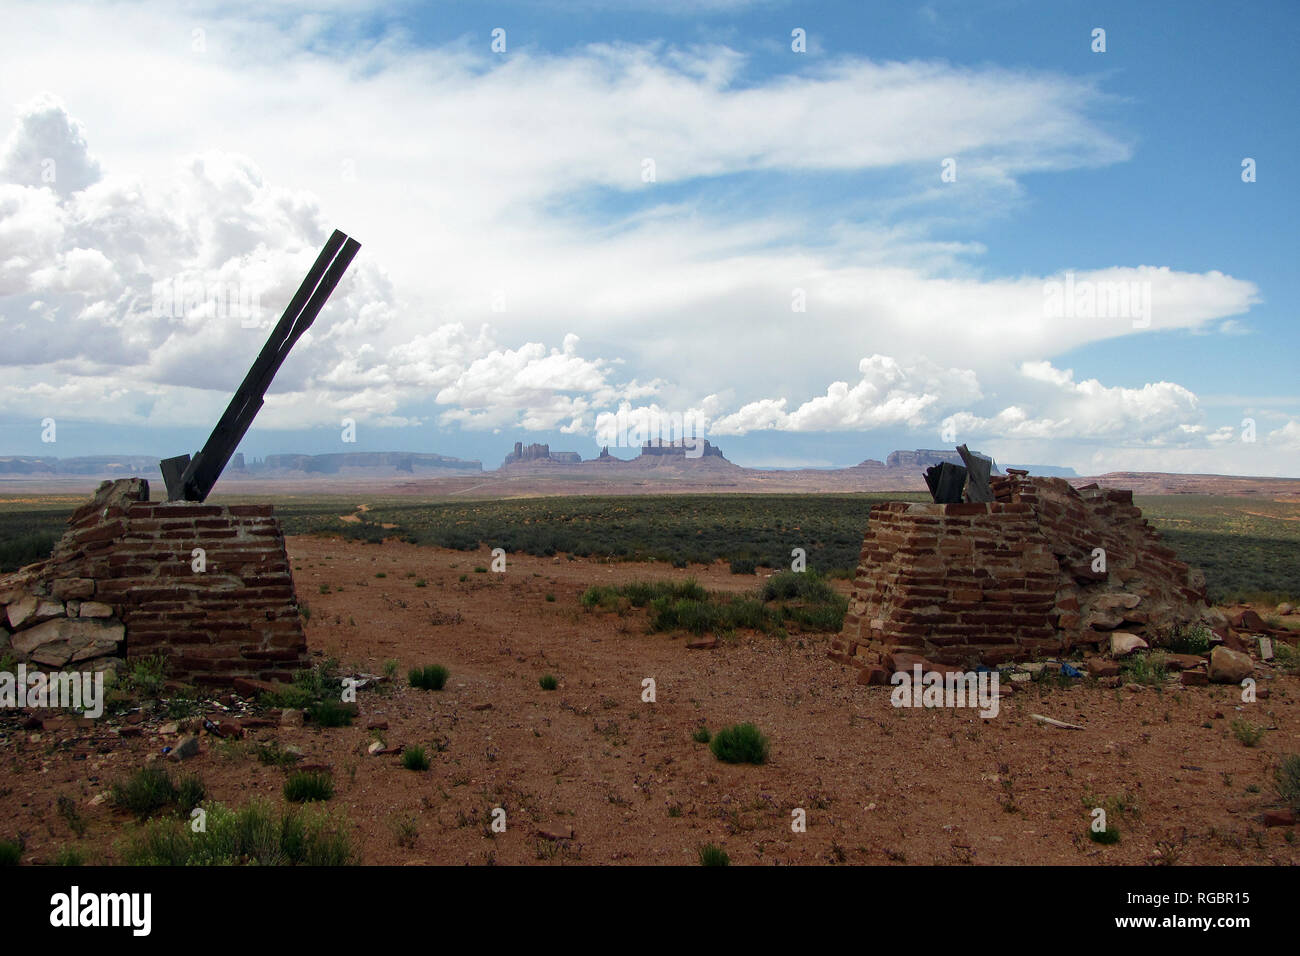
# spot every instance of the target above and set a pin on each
(536, 452)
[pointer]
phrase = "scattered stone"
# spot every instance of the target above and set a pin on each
(188, 747)
(377, 724)
(1266, 648)
(483, 706)
(1278, 818)
(249, 688)
(291, 717)
(1133, 688)
(873, 676)
(1230, 667)
(169, 728)
(1100, 667)
(375, 747)
(704, 644)
(1196, 678)
(1247, 620)
(556, 833)
(1184, 662)
(1123, 644)
(1284, 609)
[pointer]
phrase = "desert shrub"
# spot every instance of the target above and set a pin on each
(1287, 657)
(742, 743)
(255, 834)
(329, 713)
(145, 792)
(711, 855)
(414, 758)
(10, 853)
(272, 754)
(190, 792)
(1247, 733)
(70, 856)
(1147, 669)
(304, 786)
(548, 682)
(1288, 781)
(432, 677)
(701, 735)
(1108, 836)
(71, 814)
(743, 566)
(146, 676)
(1189, 639)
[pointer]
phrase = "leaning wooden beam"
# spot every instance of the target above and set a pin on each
(193, 480)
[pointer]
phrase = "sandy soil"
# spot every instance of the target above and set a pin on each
(878, 784)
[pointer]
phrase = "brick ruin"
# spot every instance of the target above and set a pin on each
(122, 584)
(1013, 579)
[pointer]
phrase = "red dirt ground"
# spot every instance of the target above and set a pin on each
(878, 784)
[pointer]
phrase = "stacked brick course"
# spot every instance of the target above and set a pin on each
(1013, 579)
(122, 582)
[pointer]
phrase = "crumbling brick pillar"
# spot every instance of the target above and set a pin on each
(206, 586)
(1040, 570)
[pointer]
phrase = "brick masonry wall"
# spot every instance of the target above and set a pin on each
(132, 562)
(969, 584)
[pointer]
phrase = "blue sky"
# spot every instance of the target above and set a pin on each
(520, 279)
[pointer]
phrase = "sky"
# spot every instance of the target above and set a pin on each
(1062, 233)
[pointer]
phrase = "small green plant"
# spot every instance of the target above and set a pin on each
(421, 583)
(381, 574)
(1247, 733)
(742, 743)
(432, 677)
(145, 792)
(71, 814)
(324, 589)
(711, 855)
(405, 829)
(550, 598)
(146, 676)
(305, 610)
(304, 786)
(701, 735)
(329, 713)
(70, 856)
(1108, 836)
(190, 792)
(1149, 669)
(10, 853)
(272, 754)
(1288, 781)
(390, 667)
(1189, 639)
(743, 566)
(415, 758)
(548, 682)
